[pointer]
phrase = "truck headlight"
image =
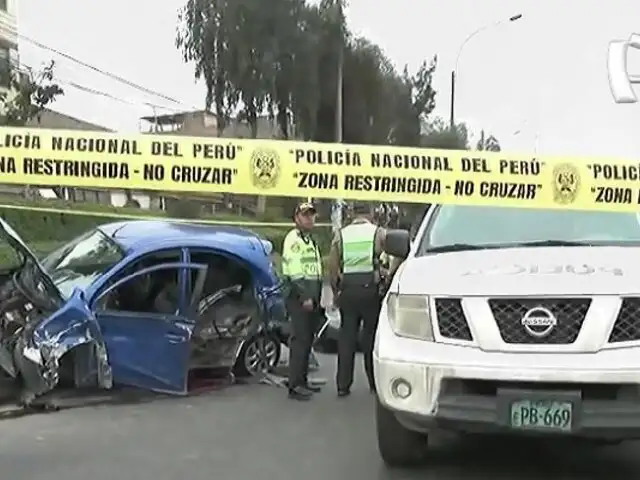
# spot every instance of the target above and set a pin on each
(409, 316)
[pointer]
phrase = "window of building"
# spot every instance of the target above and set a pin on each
(3, 5)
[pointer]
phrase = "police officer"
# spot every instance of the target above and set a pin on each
(354, 272)
(302, 267)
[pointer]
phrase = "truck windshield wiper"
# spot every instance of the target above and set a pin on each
(552, 243)
(461, 247)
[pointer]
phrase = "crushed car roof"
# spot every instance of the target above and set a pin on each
(132, 233)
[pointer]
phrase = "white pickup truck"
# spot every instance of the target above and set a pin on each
(508, 320)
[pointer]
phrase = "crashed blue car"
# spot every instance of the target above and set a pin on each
(139, 304)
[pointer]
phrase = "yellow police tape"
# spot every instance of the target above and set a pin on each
(267, 167)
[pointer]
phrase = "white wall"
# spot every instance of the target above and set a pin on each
(119, 199)
(12, 7)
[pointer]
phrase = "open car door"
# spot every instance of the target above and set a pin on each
(151, 350)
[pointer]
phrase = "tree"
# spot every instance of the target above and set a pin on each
(304, 83)
(488, 143)
(284, 58)
(415, 100)
(28, 93)
(330, 51)
(437, 134)
(204, 37)
(364, 119)
(253, 48)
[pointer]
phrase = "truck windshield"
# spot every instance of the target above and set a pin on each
(80, 261)
(502, 226)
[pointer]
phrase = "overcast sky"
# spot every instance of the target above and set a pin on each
(544, 76)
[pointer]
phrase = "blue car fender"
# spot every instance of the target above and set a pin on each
(40, 349)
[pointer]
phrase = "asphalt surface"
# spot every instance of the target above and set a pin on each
(246, 432)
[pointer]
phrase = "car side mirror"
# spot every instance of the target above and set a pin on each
(397, 243)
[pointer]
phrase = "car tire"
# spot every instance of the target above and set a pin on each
(398, 446)
(245, 363)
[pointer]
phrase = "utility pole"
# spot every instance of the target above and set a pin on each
(452, 121)
(336, 214)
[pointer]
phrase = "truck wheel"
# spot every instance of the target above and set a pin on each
(398, 446)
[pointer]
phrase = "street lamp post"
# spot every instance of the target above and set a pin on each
(454, 72)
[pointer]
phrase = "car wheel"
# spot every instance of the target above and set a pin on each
(259, 353)
(398, 446)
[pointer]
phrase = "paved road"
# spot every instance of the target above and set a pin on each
(253, 432)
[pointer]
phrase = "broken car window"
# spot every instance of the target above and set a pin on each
(80, 261)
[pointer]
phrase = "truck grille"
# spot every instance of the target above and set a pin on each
(451, 320)
(569, 313)
(627, 325)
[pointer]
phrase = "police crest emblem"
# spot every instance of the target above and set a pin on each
(566, 183)
(265, 168)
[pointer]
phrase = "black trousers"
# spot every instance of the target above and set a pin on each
(304, 325)
(358, 307)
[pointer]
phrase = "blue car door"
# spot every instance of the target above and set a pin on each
(150, 349)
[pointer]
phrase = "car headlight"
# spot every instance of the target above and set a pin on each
(409, 316)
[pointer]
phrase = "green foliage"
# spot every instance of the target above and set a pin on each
(183, 208)
(488, 143)
(28, 94)
(414, 102)
(289, 59)
(437, 134)
(50, 229)
(108, 209)
(285, 57)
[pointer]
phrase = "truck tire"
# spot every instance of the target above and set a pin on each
(398, 446)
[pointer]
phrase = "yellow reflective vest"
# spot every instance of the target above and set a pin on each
(358, 242)
(302, 265)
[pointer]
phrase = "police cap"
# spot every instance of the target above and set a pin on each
(305, 207)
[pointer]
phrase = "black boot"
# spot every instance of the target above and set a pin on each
(300, 394)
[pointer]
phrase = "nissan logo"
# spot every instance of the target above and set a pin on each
(539, 322)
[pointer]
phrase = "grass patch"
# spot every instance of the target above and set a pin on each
(124, 211)
(46, 227)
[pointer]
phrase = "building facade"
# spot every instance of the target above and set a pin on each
(200, 123)
(8, 39)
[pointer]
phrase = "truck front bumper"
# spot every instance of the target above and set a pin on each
(454, 387)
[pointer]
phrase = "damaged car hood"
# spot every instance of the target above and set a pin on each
(524, 272)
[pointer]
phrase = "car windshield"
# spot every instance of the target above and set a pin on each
(80, 261)
(469, 227)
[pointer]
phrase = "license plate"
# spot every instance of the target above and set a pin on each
(542, 415)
